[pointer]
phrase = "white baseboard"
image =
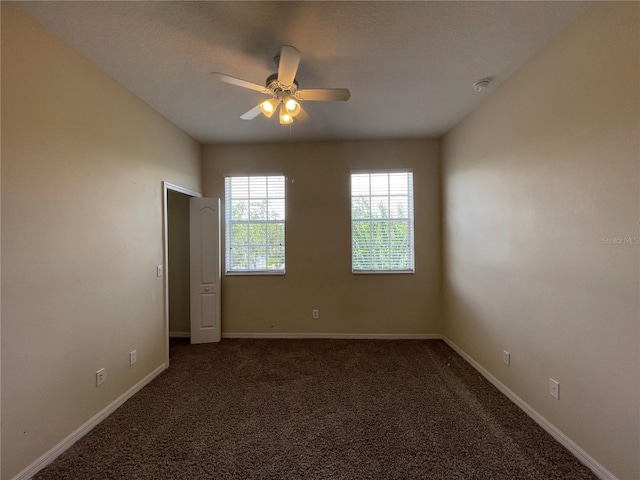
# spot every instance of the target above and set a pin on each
(344, 336)
(65, 444)
(179, 335)
(597, 468)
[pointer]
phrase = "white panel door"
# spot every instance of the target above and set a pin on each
(204, 230)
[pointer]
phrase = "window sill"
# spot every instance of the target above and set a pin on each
(383, 272)
(252, 273)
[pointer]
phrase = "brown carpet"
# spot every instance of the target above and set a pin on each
(317, 409)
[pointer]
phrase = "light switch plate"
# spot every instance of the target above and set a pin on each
(506, 357)
(100, 377)
(554, 388)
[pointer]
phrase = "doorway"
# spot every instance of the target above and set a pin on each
(176, 262)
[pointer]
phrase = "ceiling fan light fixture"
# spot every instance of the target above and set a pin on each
(268, 107)
(284, 91)
(292, 107)
(285, 117)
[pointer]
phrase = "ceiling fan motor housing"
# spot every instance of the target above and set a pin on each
(275, 86)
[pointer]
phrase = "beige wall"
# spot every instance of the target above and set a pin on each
(318, 255)
(534, 180)
(82, 166)
(178, 248)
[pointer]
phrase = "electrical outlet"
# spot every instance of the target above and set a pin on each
(159, 271)
(554, 388)
(315, 313)
(100, 377)
(506, 357)
(133, 357)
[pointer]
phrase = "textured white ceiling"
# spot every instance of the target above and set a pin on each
(410, 66)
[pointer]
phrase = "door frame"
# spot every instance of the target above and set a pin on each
(166, 186)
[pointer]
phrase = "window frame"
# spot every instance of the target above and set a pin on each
(228, 224)
(411, 221)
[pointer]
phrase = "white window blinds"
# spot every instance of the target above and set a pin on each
(382, 222)
(254, 224)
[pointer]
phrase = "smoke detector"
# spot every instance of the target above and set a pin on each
(481, 84)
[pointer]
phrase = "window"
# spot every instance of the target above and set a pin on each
(254, 226)
(382, 222)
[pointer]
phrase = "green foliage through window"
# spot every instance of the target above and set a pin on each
(255, 218)
(382, 221)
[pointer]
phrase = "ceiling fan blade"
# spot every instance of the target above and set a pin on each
(324, 94)
(251, 114)
(288, 65)
(240, 83)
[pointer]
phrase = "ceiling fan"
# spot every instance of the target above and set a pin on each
(284, 90)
